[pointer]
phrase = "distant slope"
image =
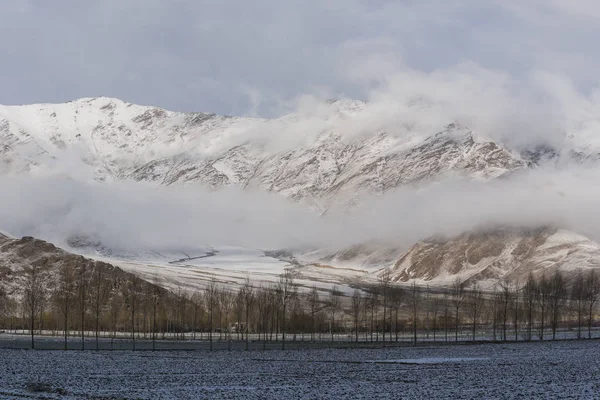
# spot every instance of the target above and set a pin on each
(18, 254)
(489, 256)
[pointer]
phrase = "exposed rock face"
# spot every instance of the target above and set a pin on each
(16, 255)
(487, 257)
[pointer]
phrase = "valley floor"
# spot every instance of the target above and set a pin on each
(566, 369)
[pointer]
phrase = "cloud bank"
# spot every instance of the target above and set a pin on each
(136, 216)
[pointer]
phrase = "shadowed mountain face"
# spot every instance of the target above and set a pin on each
(19, 256)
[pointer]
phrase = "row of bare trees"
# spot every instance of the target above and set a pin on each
(86, 298)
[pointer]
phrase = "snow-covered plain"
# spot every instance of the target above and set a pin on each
(493, 371)
(231, 266)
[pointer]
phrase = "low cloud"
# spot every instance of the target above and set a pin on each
(136, 216)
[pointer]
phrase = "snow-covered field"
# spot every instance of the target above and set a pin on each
(519, 370)
(231, 266)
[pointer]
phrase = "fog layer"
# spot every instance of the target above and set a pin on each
(133, 216)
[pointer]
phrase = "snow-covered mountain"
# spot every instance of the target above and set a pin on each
(327, 157)
(300, 157)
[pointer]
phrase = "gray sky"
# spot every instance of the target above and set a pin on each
(258, 57)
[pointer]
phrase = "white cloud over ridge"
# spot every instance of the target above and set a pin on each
(136, 216)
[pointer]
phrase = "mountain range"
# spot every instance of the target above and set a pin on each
(323, 160)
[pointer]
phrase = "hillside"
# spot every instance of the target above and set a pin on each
(17, 256)
(490, 256)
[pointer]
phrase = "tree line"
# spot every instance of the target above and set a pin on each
(82, 297)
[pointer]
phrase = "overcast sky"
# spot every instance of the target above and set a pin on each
(254, 57)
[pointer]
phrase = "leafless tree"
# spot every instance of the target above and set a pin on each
(414, 305)
(558, 298)
(262, 306)
(156, 299)
(475, 304)
(131, 295)
(530, 295)
(226, 300)
(505, 298)
(356, 306)
(384, 288)
(458, 298)
(100, 291)
(64, 294)
(396, 299)
(516, 310)
(578, 301)
(211, 294)
(239, 308)
(313, 304)
(285, 289)
(372, 301)
(34, 292)
(592, 293)
(543, 294)
(197, 303)
(248, 292)
(82, 295)
(335, 298)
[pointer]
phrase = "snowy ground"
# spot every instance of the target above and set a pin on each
(519, 370)
(231, 266)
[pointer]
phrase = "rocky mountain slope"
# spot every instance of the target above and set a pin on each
(17, 256)
(490, 256)
(119, 141)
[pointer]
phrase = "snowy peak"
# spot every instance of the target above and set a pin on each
(316, 160)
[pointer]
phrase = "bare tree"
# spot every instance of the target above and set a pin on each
(285, 289)
(248, 303)
(239, 312)
(334, 303)
(475, 303)
(558, 298)
(356, 305)
(226, 299)
(578, 301)
(197, 303)
(516, 310)
(262, 306)
(313, 303)
(211, 294)
(543, 300)
(396, 299)
(131, 295)
(34, 293)
(458, 298)
(156, 299)
(384, 288)
(414, 305)
(82, 295)
(530, 295)
(64, 294)
(505, 297)
(100, 293)
(592, 292)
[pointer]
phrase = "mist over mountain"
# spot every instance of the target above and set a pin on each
(329, 176)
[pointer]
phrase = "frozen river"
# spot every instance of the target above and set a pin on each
(494, 371)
